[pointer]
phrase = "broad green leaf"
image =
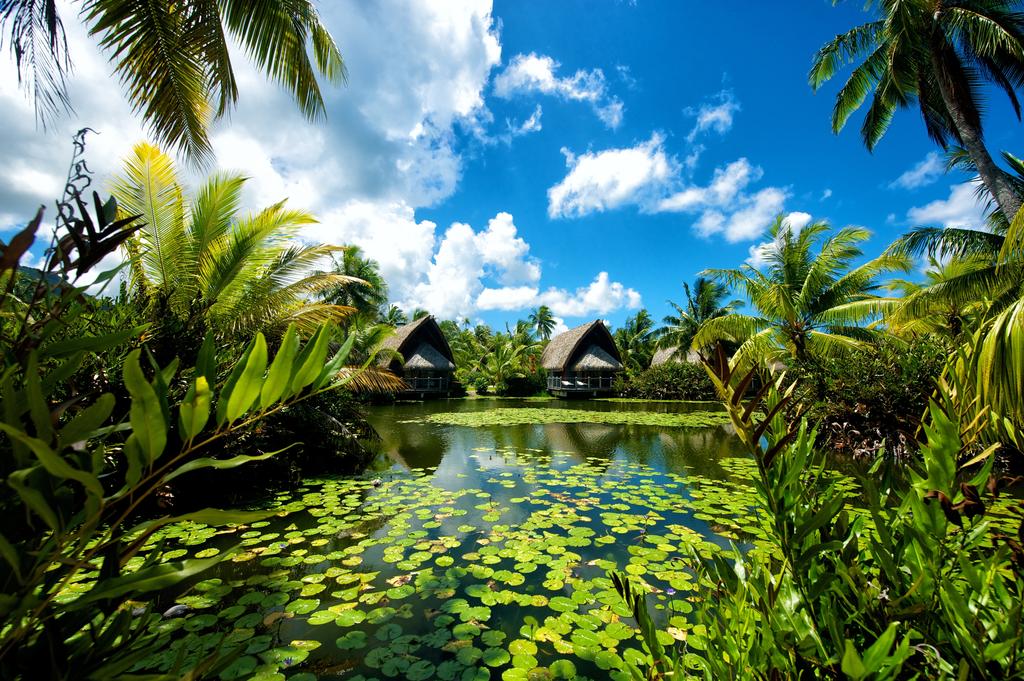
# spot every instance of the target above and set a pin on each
(206, 362)
(312, 359)
(10, 554)
(280, 369)
(33, 498)
(247, 389)
(89, 343)
(153, 578)
(85, 423)
(220, 464)
(146, 414)
(195, 408)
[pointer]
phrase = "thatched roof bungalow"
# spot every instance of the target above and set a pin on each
(424, 360)
(582, 362)
(672, 354)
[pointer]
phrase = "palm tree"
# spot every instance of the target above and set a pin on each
(364, 298)
(924, 310)
(983, 273)
(703, 302)
(198, 265)
(808, 301)
(635, 340)
(394, 316)
(937, 54)
(543, 321)
(173, 58)
(505, 359)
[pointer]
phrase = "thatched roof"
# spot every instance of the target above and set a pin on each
(566, 349)
(666, 355)
(421, 341)
(426, 356)
(596, 359)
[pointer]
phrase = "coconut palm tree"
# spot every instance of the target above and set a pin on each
(808, 301)
(937, 54)
(364, 298)
(173, 58)
(635, 340)
(394, 316)
(703, 302)
(544, 322)
(504, 360)
(982, 274)
(199, 265)
(923, 310)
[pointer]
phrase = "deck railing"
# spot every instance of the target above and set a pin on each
(581, 382)
(428, 384)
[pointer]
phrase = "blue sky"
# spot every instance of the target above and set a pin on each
(588, 155)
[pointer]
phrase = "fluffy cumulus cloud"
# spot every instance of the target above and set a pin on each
(533, 73)
(927, 171)
(462, 271)
(960, 209)
(599, 181)
(647, 177)
(389, 146)
(601, 296)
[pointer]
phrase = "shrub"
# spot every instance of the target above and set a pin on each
(672, 381)
(869, 396)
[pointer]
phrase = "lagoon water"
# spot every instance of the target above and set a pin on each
(470, 552)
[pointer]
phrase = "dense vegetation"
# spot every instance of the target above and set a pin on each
(232, 347)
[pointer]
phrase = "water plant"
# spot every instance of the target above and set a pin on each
(535, 415)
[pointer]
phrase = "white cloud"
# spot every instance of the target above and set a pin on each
(460, 272)
(380, 144)
(647, 177)
(758, 253)
(602, 296)
(930, 169)
(599, 181)
(531, 73)
(716, 115)
(961, 209)
(826, 194)
(507, 298)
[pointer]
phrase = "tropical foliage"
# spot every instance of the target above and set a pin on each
(924, 585)
(174, 60)
(939, 56)
(79, 470)
(199, 264)
(636, 340)
(809, 298)
(703, 303)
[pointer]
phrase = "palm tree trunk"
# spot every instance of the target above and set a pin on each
(992, 176)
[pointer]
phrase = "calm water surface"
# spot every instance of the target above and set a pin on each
(468, 553)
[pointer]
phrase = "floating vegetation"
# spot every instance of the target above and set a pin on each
(530, 415)
(413, 576)
(407, 578)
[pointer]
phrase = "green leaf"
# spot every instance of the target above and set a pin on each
(852, 664)
(85, 423)
(879, 650)
(195, 408)
(92, 343)
(33, 498)
(221, 464)
(247, 389)
(54, 463)
(312, 359)
(206, 362)
(281, 369)
(10, 554)
(146, 414)
(145, 580)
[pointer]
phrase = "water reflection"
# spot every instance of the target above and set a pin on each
(408, 444)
